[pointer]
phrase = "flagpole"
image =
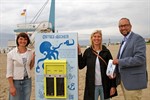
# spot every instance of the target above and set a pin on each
(24, 13)
(25, 20)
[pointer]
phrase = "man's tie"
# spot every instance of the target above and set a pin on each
(122, 46)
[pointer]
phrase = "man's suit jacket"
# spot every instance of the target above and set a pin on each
(132, 63)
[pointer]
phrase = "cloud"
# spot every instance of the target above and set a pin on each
(99, 14)
(82, 16)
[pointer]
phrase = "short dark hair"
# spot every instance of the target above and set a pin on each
(24, 35)
(126, 19)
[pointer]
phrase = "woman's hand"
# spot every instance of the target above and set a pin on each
(12, 91)
(12, 88)
(33, 56)
(112, 91)
(112, 77)
(79, 50)
(32, 60)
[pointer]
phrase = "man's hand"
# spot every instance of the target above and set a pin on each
(115, 61)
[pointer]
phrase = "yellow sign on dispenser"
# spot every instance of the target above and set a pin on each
(55, 79)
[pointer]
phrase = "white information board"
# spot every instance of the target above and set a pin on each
(56, 46)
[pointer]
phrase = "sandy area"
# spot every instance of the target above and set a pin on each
(112, 48)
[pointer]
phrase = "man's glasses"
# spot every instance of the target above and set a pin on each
(125, 25)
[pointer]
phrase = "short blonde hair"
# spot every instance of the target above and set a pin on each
(99, 32)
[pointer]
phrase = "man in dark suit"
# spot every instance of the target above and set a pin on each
(131, 62)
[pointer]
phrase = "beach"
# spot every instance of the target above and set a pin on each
(113, 49)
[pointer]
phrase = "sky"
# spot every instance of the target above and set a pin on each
(81, 16)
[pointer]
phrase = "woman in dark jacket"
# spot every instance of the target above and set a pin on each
(97, 82)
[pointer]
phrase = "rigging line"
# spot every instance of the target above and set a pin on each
(37, 16)
(39, 12)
